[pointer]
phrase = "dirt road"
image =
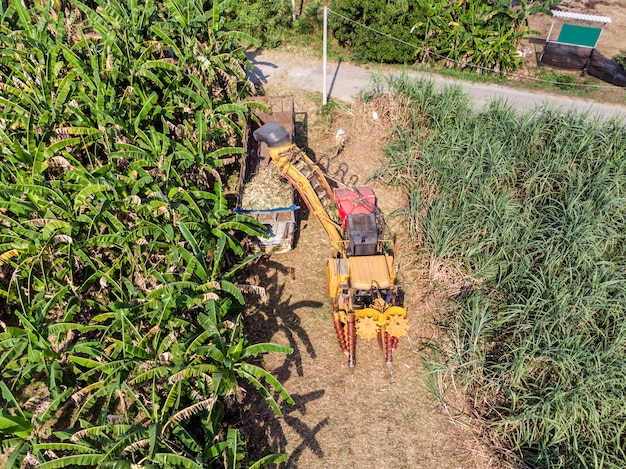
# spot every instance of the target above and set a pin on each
(344, 81)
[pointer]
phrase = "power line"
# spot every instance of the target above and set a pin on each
(510, 75)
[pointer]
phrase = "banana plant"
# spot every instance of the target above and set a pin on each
(15, 428)
(162, 438)
(166, 403)
(117, 236)
(436, 20)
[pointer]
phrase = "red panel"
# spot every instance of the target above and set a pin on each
(354, 201)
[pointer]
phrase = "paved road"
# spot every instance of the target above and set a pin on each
(344, 81)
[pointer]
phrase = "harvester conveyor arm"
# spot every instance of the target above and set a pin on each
(312, 185)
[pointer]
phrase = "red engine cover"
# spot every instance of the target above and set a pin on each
(360, 200)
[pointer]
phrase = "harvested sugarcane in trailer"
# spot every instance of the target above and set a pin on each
(366, 294)
(263, 193)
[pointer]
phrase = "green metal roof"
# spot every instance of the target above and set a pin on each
(579, 35)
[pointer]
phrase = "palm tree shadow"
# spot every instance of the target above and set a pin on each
(266, 434)
(278, 316)
(263, 323)
(254, 74)
(308, 435)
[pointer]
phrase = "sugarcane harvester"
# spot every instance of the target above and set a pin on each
(367, 296)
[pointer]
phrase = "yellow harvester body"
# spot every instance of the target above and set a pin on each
(362, 274)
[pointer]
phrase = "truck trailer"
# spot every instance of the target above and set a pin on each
(264, 193)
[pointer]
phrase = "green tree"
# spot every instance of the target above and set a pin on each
(479, 34)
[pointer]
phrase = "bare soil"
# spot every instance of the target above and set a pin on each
(370, 421)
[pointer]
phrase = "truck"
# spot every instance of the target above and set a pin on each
(263, 193)
(363, 282)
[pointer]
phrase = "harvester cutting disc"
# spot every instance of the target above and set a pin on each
(366, 327)
(397, 325)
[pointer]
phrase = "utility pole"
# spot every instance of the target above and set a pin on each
(324, 91)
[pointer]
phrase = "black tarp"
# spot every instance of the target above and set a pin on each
(565, 56)
(606, 70)
(583, 58)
